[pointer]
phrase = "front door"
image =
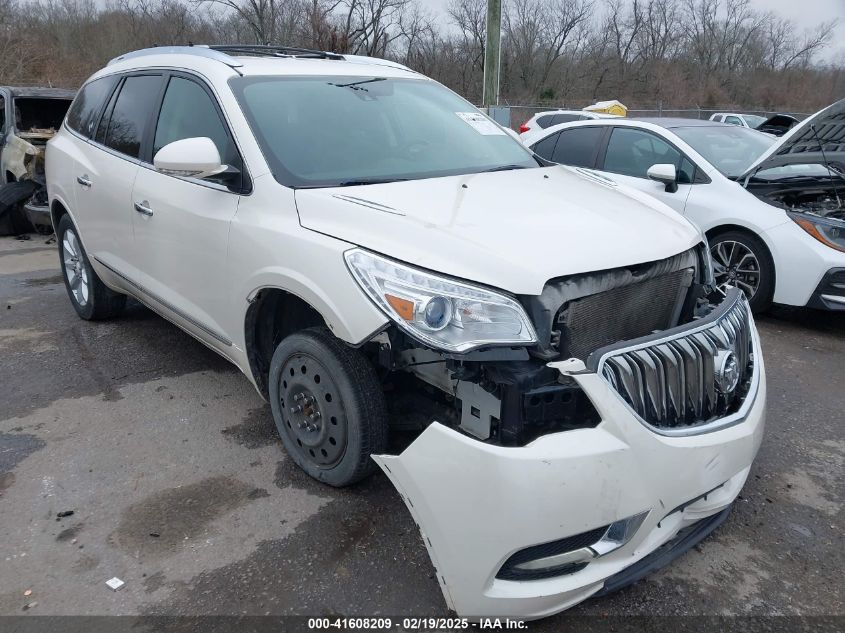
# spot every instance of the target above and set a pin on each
(181, 225)
(632, 151)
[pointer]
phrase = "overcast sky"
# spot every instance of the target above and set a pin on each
(805, 13)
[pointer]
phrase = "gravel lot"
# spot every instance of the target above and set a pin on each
(142, 431)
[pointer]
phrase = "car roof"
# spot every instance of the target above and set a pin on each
(49, 93)
(256, 61)
(673, 122)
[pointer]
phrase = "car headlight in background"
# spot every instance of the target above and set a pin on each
(828, 231)
(441, 312)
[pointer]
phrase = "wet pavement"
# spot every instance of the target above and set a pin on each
(169, 460)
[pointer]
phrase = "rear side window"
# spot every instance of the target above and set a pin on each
(131, 113)
(546, 147)
(733, 120)
(578, 147)
(2, 114)
(565, 118)
(545, 121)
(82, 116)
(188, 112)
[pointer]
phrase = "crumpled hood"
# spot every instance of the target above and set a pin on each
(802, 144)
(512, 230)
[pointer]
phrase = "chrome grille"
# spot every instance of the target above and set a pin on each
(677, 380)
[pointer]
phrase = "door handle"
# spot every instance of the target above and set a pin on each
(84, 180)
(143, 208)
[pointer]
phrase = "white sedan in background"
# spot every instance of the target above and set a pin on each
(543, 120)
(773, 209)
(752, 121)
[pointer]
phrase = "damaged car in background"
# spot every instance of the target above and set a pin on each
(29, 117)
(773, 209)
(569, 401)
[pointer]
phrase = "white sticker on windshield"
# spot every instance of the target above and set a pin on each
(480, 123)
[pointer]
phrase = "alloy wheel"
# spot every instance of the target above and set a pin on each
(76, 272)
(734, 264)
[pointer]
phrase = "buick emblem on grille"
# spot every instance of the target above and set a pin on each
(727, 371)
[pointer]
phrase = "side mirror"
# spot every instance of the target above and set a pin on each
(665, 173)
(190, 158)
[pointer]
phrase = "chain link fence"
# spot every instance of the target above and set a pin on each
(521, 113)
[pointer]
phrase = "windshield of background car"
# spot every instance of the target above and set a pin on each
(730, 149)
(753, 120)
(328, 131)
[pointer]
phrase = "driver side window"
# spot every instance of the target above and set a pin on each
(187, 111)
(631, 152)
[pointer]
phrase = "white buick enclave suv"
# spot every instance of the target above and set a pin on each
(581, 405)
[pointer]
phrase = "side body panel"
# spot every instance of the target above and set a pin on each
(269, 249)
(182, 249)
(103, 210)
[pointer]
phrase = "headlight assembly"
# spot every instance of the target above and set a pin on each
(828, 231)
(443, 313)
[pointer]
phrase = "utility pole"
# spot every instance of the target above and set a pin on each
(492, 54)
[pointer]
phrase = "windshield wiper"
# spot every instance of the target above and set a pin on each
(369, 181)
(355, 85)
(504, 168)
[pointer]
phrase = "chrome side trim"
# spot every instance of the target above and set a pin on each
(204, 328)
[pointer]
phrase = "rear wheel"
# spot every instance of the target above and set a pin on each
(90, 297)
(328, 406)
(742, 260)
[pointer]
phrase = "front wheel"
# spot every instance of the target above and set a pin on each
(90, 297)
(328, 406)
(743, 261)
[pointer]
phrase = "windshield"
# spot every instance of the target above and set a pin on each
(730, 149)
(331, 131)
(753, 120)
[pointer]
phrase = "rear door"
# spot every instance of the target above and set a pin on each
(577, 147)
(181, 225)
(630, 152)
(107, 163)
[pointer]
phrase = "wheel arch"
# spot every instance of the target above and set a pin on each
(57, 209)
(721, 229)
(273, 314)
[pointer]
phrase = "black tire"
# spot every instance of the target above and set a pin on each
(99, 301)
(761, 299)
(340, 400)
(13, 219)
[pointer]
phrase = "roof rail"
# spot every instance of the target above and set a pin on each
(199, 50)
(259, 50)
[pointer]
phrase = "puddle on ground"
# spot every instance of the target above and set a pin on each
(178, 515)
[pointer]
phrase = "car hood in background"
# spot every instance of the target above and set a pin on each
(512, 230)
(803, 144)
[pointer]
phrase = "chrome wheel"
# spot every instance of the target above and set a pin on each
(76, 273)
(734, 264)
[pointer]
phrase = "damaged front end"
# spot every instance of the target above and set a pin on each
(574, 464)
(37, 116)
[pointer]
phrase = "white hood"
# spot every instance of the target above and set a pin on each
(512, 230)
(802, 144)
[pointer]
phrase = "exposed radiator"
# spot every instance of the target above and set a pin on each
(622, 313)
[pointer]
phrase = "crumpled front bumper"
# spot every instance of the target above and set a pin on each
(476, 504)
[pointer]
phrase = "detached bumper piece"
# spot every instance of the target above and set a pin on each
(528, 531)
(684, 541)
(830, 293)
